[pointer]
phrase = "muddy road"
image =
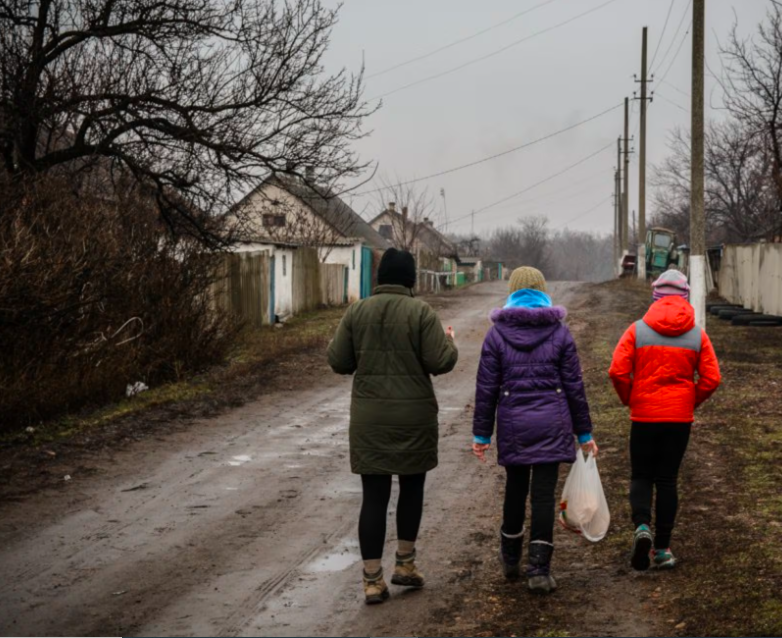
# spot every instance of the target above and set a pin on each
(241, 525)
(245, 525)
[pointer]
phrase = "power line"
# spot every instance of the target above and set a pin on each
(492, 54)
(460, 41)
(538, 183)
(495, 156)
(677, 89)
(678, 106)
(673, 40)
(662, 34)
(525, 208)
(555, 197)
(676, 56)
(585, 213)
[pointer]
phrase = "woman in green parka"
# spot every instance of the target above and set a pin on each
(393, 343)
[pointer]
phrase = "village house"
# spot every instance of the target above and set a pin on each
(436, 256)
(284, 215)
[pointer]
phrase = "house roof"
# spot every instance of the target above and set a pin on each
(429, 234)
(336, 212)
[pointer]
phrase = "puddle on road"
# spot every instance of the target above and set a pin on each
(240, 460)
(345, 555)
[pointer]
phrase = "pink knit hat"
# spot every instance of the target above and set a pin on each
(671, 283)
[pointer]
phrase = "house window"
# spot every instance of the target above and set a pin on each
(271, 221)
(386, 231)
(354, 259)
(284, 266)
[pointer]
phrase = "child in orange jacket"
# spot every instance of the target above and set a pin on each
(654, 373)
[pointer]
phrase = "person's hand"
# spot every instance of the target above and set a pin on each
(450, 333)
(590, 447)
(479, 450)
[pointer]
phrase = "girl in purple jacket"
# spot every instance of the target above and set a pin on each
(529, 378)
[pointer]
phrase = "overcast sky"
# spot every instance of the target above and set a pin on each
(537, 87)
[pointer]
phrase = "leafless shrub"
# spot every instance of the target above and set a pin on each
(93, 299)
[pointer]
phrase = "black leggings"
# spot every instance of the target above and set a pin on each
(374, 510)
(543, 500)
(656, 453)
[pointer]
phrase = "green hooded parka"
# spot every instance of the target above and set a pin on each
(393, 343)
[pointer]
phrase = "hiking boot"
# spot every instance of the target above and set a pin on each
(510, 554)
(375, 588)
(406, 573)
(539, 578)
(642, 545)
(663, 559)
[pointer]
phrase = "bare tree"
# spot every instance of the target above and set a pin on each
(408, 208)
(193, 100)
(521, 246)
(580, 256)
(752, 80)
(739, 185)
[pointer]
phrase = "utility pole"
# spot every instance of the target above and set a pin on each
(445, 209)
(697, 221)
(472, 232)
(641, 237)
(617, 216)
(626, 193)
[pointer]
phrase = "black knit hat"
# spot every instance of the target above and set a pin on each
(397, 268)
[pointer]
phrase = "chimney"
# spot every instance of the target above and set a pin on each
(392, 206)
(404, 213)
(309, 174)
(428, 222)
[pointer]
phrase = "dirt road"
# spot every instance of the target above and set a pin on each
(240, 525)
(245, 524)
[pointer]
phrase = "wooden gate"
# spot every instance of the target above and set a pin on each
(333, 284)
(306, 280)
(243, 287)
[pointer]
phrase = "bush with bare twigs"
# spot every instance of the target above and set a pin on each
(94, 299)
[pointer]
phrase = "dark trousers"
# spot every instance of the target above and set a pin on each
(374, 510)
(541, 480)
(656, 453)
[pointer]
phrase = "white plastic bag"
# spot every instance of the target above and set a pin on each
(583, 507)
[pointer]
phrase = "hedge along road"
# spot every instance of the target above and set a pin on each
(245, 524)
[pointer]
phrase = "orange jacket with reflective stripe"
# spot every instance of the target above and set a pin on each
(655, 364)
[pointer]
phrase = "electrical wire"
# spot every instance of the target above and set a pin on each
(536, 184)
(673, 40)
(495, 156)
(677, 89)
(585, 213)
(460, 41)
(662, 35)
(678, 106)
(493, 53)
(555, 197)
(537, 208)
(676, 56)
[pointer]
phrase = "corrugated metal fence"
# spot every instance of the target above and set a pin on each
(752, 276)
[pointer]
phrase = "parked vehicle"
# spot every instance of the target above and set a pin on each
(661, 251)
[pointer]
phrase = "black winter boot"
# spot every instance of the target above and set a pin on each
(540, 580)
(510, 554)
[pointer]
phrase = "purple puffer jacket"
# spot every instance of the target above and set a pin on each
(530, 378)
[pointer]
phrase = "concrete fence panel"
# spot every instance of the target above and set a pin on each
(752, 276)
